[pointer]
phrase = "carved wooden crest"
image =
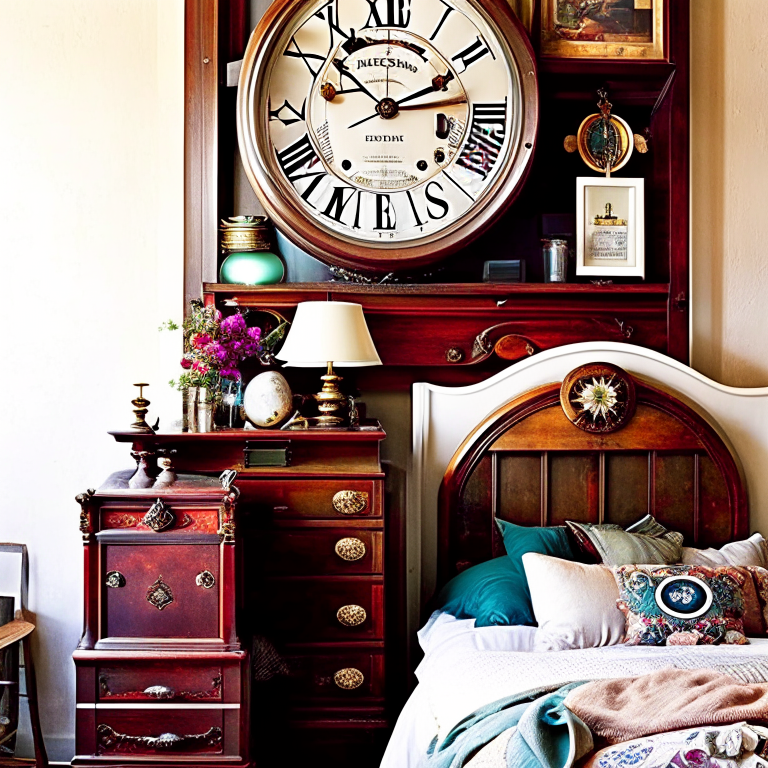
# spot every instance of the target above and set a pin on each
(598, 398)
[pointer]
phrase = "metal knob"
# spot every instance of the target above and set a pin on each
(350, 549)
(350, 502)
(348, 679)
(351, 615)
(454, 355)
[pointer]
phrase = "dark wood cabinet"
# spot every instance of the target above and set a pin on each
(305, 574)
(160, 672)
(427, 332)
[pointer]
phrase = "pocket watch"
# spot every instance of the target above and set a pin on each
(386, 134)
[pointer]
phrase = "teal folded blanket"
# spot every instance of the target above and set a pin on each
(547, 734)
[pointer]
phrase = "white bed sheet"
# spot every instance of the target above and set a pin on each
(465, 667)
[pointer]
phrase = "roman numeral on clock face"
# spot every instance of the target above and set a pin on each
(299, 156)
(293, 51)
(472, 53)
(486, 137)
(396, 13)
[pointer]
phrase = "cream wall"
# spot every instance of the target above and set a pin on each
(91, 255)
(729, 161)
(91, 211)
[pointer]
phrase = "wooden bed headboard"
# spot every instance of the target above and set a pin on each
(529, 464)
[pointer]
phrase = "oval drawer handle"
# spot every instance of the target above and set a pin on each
(159, 692)
(110, 738)
(350, 502)
(350, 549)
(351, 615)
(349, 678)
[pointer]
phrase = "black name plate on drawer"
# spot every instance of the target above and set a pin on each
(267, 453)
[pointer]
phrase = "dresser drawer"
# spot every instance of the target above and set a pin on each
(170, 517)
(165, 679)
(322, 551)
(337, 678)
(319, 499)
(319, 610)
(160, 590)
(163, 733)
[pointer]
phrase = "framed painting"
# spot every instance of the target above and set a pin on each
(603, 29)
(610, 227)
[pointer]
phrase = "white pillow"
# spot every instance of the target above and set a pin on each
(751, 551)
(574, 604)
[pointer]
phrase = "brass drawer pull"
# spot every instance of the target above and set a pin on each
(349, 678)
(350, 549)
(159, 692)
(350, 502)
(205, 579)
(109, 738)
(115, 580)
(351, 615)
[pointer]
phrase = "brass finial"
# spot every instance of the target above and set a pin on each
(140, 410)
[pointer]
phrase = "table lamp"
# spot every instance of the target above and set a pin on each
(328, 333)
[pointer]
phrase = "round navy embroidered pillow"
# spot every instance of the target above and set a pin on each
(684, 597)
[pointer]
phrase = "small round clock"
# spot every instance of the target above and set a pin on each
(386, 134)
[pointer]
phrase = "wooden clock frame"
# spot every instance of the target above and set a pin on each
(460, 332)
(264, 174)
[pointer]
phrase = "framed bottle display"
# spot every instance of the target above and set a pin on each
(610, 227)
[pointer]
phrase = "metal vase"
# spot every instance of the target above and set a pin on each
(190, 409)
(204, 410)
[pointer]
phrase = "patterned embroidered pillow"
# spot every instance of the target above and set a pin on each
(681, 604)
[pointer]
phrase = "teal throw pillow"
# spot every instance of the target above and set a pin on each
(520, 539)
(488, 592)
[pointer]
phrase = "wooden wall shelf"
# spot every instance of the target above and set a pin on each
(432, 332)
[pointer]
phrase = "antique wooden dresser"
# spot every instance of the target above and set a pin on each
(287, 562)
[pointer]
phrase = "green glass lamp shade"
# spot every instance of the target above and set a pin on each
(252, 268)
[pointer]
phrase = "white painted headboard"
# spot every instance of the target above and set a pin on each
(444, 416)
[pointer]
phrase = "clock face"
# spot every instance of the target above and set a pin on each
(385, 133)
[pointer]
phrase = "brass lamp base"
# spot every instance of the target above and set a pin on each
(330, 401)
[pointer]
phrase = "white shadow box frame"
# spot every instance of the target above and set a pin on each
(627, 198)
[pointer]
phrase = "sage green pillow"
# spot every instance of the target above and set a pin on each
(647, 541)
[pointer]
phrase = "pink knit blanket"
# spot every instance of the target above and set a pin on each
(667, 700)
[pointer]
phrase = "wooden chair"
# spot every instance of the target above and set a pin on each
(19, 631)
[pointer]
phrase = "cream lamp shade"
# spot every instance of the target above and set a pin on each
(329, 331)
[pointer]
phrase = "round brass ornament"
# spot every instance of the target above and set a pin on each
(349, 678)
(351, 615)
(598, 398)
(596, 138)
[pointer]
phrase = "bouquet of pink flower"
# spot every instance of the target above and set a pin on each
(214, 347)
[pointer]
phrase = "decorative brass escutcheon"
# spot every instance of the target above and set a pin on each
(350, 549)
(349, 678)
(351, 615)
(350, 502)
(159, 594)
(205, 579)
(159, 517)
(115, 580)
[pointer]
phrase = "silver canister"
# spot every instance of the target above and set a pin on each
(204, 411)
(555, 254)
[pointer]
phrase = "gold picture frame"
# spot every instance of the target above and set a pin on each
(603, 29)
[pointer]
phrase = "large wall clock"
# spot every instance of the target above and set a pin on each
(386, 134)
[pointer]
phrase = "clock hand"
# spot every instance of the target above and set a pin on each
(438, 83)
(433, 104)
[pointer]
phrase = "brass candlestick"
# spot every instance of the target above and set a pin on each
(330, 400)
(140, 411)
